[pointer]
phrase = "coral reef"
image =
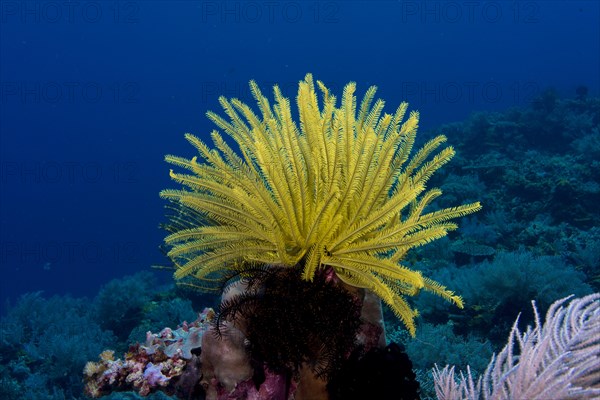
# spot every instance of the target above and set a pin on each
(558, 359)
(120, 303)
(439, 344)
(540, 159)
(290, 350)
(162, 362)
(536, 171)
(496, 291)
(44, 345)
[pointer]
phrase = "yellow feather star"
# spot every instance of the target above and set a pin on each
(338, 190)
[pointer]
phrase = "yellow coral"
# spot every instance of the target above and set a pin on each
(338, 190)
(91, 368)
(107, 355)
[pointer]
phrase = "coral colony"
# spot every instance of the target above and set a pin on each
(158, 363)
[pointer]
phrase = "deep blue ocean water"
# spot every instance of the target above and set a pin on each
(93, 94)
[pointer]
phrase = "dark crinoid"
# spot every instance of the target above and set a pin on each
(381, 373)
(290, 321)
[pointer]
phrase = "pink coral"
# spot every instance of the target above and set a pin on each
(157, 364)
(154, 376)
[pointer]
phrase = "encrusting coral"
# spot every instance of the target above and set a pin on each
(339, 192)
(165, 361)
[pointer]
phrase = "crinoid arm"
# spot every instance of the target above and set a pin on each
(336, 189)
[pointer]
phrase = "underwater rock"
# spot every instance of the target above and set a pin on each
(225, 363)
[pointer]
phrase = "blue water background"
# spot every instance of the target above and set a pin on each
(94, 94)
